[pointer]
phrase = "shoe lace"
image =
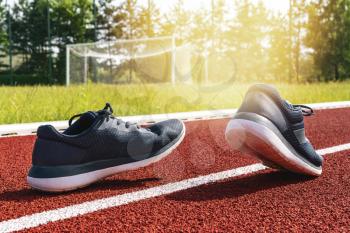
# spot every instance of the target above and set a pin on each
(106, 112)
(306, 110)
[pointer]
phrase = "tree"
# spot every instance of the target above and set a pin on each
(217, 25)
(202, 33)
(125, 20)
(248, 33)
(297, 17)
(68, 22)
(29, 37)
(104, 19)
(70, 19)
(178, 22)
(149, 19)
(278, 52)
(328, 35)
(3, 37)
(299, 21)
(207, 34)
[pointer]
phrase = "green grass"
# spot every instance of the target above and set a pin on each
(44, 103)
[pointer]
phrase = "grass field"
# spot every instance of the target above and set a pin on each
(44, 103)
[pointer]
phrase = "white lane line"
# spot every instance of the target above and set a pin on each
(334, 149)
(45, 217)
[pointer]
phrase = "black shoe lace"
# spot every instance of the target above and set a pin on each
(306, 110)
(106, 112)
(70, 122)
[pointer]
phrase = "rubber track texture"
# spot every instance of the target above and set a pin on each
(210, 207)
(269, 201)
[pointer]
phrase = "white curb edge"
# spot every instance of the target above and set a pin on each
(30, 128)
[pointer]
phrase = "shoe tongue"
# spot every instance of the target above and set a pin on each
(84, 122)
(288, 104)
(87, 118)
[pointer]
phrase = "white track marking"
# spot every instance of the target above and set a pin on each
(330, 105)
(30, 128)
(68, 212)
(334, 149)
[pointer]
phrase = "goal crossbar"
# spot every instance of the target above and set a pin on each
(121, 50)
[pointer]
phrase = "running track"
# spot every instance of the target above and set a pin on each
(265, 200)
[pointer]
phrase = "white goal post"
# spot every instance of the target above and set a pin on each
(127, 61)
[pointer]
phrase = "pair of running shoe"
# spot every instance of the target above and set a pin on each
(98, 145)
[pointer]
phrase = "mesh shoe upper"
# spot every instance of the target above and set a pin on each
(289, 119)
(101, 136)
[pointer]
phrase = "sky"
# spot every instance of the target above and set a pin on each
(276, 5)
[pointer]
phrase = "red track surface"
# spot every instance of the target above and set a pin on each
(264, 201)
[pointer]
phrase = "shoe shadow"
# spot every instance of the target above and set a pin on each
(29, 194)
(239, 187)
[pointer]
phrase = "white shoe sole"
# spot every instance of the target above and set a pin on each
(261, 142)
(69, 183)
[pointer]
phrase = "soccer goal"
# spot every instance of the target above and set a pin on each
(150, 60)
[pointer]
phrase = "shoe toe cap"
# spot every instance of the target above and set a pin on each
(312, 155)
(170, 129)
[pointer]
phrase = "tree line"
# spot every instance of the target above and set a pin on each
(310, 43)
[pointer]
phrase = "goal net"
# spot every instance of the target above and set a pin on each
(151, 60)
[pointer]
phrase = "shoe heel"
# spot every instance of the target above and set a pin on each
(261, 142)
